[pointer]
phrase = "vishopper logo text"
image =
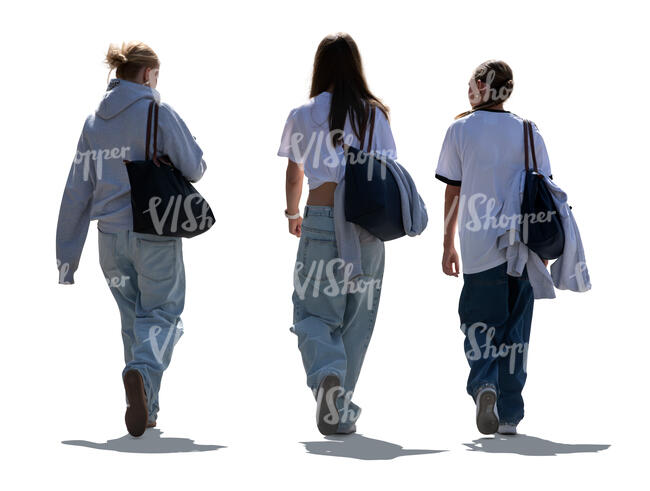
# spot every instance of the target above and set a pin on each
(98, 156)
(484, 213)
(171, 213)
(117, 281)
(334, 415)
(491, 350)
(64, 269)
(325, 272)
(490, 93)
(320, 144)
(172, 335)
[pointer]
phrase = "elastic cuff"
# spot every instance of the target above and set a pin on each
(66, 278)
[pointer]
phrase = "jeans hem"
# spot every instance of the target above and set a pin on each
(508, 422)
(480, 387)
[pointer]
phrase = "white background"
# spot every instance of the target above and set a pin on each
(233, 71)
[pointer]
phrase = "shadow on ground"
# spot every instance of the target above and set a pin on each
(150, 442)
(357, 446)
(530, 445)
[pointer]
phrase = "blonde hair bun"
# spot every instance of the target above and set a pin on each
(129, 58)
(115, 56)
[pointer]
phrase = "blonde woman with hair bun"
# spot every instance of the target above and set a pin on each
(134, 61)
(145, 272)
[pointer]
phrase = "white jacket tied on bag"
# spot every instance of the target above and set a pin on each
(569, 271)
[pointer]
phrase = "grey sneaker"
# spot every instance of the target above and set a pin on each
(507, 429)
(487, 417)
(327, 415)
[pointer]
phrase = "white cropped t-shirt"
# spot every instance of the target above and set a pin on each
(306, 141)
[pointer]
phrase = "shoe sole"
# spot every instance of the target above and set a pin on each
(137, 414)
(486, 419)
(505, 433)
(351, 431)
(322, 409)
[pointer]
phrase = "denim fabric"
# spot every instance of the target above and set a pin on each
(146, 276)
(496, 311)
(334, 316)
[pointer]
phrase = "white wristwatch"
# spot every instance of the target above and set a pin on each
(291, 217)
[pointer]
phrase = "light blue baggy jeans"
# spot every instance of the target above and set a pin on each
(334, 317)
(146, 276)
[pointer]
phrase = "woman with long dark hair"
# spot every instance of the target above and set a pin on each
(334, 315)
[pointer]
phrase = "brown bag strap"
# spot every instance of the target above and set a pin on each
(528, 136)
(146, 152)
(155, 134)
(153, 111)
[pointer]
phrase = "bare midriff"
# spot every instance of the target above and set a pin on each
(323, 195)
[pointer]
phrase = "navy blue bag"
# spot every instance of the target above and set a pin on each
(372, 197)
(163, 201)
(541, 227)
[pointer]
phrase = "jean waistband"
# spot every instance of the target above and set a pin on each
(322, 211)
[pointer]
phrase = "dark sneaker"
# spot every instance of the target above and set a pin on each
(487, 418)
(137, 414)
(327, 415)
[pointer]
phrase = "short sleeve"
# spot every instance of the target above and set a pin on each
(449, 168)
(383, 141)
(293, 140)
(543, 162)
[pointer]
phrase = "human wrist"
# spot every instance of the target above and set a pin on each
(448, 246)
(292, 214)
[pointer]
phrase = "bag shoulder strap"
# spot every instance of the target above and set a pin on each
(371, 117)
(372, 127)
(155, 133)
(153, 111)
(147, 144)
(528, 136)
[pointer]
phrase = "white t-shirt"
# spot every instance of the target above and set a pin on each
(482, 153)
(306, 140)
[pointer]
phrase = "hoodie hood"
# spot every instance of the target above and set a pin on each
(121, 94)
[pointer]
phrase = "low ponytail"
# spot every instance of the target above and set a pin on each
(497, 75)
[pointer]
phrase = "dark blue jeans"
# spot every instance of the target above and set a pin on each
(496, 311)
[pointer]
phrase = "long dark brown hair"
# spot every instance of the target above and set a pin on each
(497, 75)
(337, 67)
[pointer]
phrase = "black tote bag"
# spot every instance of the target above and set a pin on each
(164, 202)
(372, 197)
(541, 227)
